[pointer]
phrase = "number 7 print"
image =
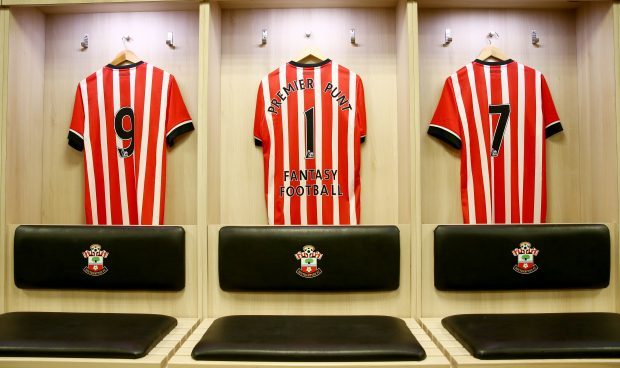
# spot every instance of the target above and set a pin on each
(504, 112)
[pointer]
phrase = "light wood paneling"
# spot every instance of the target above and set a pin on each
(208, 138)
(157, 357)
(30, 3)
(179, 304)
(66, 64)
(220, 303)
(437, 303)
(4, 61)
(24, 133)
(616, 14)
(460, 357)
(244, 62)
(214, 131)
(434, 358)
(556, 58)
(252, 4)
(598, 148)
(505, 4)
(414, 152)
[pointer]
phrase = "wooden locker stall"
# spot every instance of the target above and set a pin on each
(577, 53)
(42, 177)
(236, 61)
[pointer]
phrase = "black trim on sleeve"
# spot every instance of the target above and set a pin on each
(75, 141)
(444, 136)
(363, 139)
(258, 142)
(553, 129)
(182, 129)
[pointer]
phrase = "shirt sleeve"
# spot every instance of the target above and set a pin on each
(551, 119)
(76, 129)
(178, 120)
(445, 124)
(360, 109)
(259, 117)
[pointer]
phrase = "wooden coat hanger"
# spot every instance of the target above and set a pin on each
(310, 56)
(125, 56)
(492, 51)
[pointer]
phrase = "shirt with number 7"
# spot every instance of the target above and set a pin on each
(123, 118)
(310, 120)
(499, 115)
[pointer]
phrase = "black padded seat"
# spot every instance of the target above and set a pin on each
(537, 336)
(81, 335)
(308, 339)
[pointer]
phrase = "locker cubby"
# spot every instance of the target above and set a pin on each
(576, 55)
(235, 64)
(44, 176)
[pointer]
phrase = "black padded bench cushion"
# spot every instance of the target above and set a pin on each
(308, 339)
(511, 257)
(537, 336)
(100, 257)
(309, 258)
(81, 335)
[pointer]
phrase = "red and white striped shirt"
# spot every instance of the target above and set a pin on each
(122, 117)
(499, 114)
(310, 120)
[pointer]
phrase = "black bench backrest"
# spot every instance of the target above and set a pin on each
(309, 258)
(509, 257)
(100, 257)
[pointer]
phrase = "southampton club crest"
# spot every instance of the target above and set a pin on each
(309, 258)
(525, 258)
(95, 257)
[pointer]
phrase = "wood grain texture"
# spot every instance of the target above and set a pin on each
(505, 4)
(66, 64)
(157, 357)
(556, 58)
(437, 303)
(434, 359)
(244, 62)
(253, 4)
(598, 145)
(184, 303)
(414, 117)
(460, 357)
(616, 15)
(31, 3)
(220, 303)
(4, 61)
(24, 133)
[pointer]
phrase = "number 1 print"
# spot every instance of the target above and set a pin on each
(309, 114)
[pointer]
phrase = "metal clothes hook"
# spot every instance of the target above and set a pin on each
(352, 34)
(535, 38)
(125, 39)
(492, 34)
(447, 37)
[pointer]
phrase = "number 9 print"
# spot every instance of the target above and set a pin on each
(125, 134)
